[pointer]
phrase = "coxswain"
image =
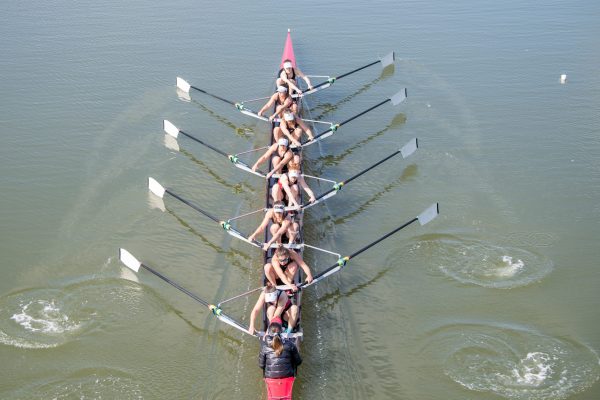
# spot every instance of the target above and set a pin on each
(291, 126)
(288, 75)
(281, 223)
(284, 265)
(282, 100)
(289, 184)
(278, 305)
(279, 359)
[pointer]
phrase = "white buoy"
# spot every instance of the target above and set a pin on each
(563, 79)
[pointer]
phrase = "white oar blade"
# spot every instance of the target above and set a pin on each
(409, 148)
(129, 261)
(388, 60)
(429, 214)
(183, 85)
(156, 187)
(399, 97)
(170, 129)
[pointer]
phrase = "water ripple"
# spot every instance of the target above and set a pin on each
(482, 263)
(515, 363)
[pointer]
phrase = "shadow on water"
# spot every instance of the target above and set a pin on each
(235, 188)
(230, 254)
(244, 130)
(326, 108)
(329, 300)
(331, 159)
(408, 173)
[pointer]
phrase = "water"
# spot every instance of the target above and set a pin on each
(495, 298)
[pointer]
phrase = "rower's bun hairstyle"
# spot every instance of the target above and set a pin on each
(293, 165)
(282, 251)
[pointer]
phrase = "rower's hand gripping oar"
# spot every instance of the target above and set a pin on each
(160, 191)
(406, 150)
(385, 61)
(173, 131)
(395, 100)
(132, 263)
(183, 85)
(423, 218)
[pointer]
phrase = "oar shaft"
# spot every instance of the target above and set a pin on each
(357, 69)
(382, 238)
(195, 207)
(213, 95)
(204, 143)
(364, 112)
(364, 171)
(177, 286)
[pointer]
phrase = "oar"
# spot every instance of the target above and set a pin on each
(406, 150)
(132, 263)
(395, 100)
(173, 131)
(385, 61)
(160, 191)
(185, 86)
(423, 218)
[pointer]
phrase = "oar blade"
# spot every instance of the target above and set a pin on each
(183, 85)
(129, 260)
(409, 148)
(429, 214)
(399, 97)
(156, 187)
(388, 60)
(170, 129)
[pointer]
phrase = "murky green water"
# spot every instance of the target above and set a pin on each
(496, 298)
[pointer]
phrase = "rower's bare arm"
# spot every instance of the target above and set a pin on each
(257, 308)
(288, 191)
(290, 84)
(262, 226)
(269, 104)
(308, 191)
(296, 257)
(282, 276)
(303, 76)
(306, 129)
(288, 156)
(263, 158)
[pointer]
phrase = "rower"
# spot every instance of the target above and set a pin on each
(281, 156)
(284, 265)
(282, 100)
(281, 223)
(278, 305)
(289, 184)
(287, 76)
(291, 126)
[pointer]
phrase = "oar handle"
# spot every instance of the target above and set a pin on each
(195, 207)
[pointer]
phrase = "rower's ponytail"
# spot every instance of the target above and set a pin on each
(277, 345)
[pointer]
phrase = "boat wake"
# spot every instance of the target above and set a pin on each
(512, 362)
(481, 263)
(40, 318)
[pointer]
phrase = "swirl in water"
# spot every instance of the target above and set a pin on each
(514, 363)
(480, 263)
